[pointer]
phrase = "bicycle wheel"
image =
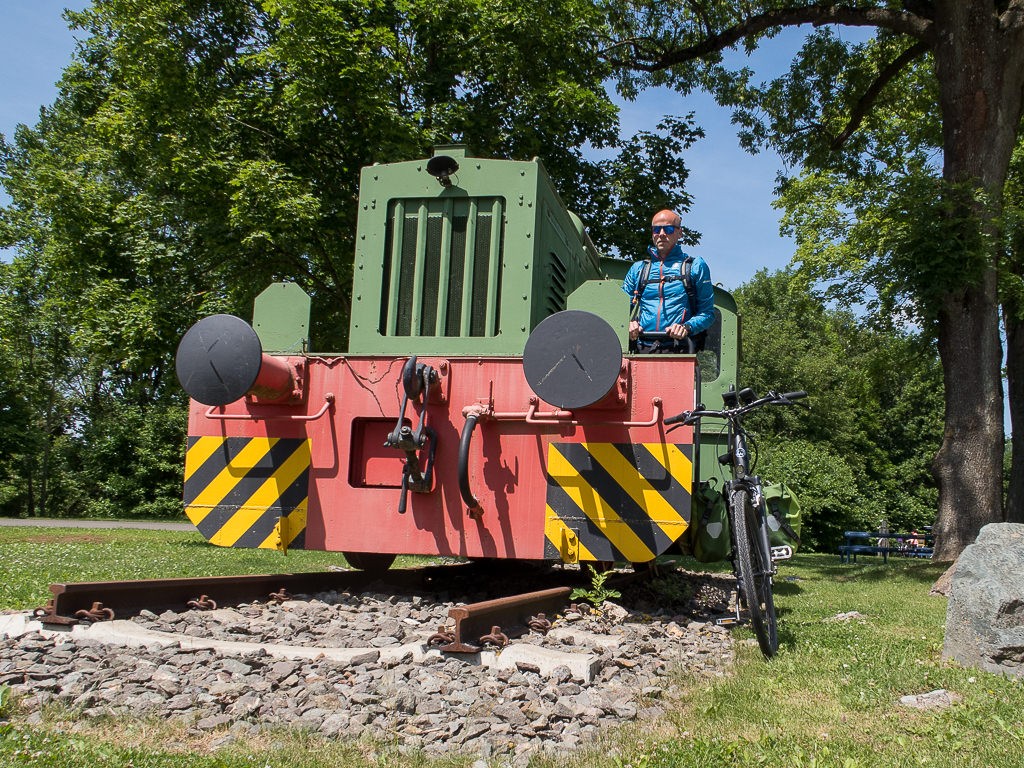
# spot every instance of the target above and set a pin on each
(754, 570)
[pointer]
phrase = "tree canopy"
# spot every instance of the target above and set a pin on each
(946, 254)
(198, 151)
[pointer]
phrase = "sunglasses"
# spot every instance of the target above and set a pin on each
(668, 229)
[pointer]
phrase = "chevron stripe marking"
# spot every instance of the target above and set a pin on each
(598, 510)
(660, 512)
(258, 505)
(228, 477)
(200, 450)
(675, 461)
(287, 528)
(557, 531)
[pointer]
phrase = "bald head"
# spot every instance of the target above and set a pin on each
(667, 217)
(664, 240)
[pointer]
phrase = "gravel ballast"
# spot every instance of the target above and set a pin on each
(391, 684)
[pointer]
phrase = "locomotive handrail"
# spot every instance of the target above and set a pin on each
(533, 416)
(328, 402)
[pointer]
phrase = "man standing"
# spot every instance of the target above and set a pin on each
(669, 291)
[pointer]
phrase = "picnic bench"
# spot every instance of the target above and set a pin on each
(885, 543)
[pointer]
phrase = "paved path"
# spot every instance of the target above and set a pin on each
(42, 522)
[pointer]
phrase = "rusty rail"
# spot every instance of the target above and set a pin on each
(495, 622)
(491, 622)
(93, 601)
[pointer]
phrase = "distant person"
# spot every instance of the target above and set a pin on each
(669, 291)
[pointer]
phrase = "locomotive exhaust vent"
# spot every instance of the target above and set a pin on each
(442, 267)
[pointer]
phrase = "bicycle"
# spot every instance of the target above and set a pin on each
(753, 556)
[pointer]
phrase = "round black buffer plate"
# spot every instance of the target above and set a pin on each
(572, 359)
(218, 359)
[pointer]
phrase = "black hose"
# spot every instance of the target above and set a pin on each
(467, 437)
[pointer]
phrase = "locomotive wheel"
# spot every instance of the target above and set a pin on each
(371, 562)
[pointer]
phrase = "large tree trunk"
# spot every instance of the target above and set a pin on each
(968, 467)
(980, 70)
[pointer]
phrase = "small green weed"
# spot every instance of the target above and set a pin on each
(598, 592)
(5, 700)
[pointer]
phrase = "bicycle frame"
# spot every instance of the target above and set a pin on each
(739, 460)
(753, 556)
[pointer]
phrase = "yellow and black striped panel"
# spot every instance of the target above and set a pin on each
(249, 492)
(616, 501)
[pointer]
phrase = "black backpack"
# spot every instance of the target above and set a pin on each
(699, 339)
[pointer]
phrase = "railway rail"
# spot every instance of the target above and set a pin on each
(491, 622)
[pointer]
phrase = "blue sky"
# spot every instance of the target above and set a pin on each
(732, 190)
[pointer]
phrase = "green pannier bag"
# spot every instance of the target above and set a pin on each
(783, 516)
(709, 525)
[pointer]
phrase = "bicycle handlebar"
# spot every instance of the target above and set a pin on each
(772, 398)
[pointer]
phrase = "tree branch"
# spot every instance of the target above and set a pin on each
(864, 104)
(904, 22)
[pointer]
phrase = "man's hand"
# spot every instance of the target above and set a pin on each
(634, 330)
(677, 331)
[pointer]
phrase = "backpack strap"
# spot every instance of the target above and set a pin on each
(691, 289)
(699, 339)
(645, 277)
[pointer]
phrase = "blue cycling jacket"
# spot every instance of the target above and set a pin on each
(665, 302)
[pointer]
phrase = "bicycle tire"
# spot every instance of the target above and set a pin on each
(754, 571)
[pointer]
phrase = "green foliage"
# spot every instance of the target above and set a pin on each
(197, 152)
(831, 499)
(597, 593)
(134, 465)
(872, 125)
(862, 451)
(647, 176)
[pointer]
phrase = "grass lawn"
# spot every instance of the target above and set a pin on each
(830, 697)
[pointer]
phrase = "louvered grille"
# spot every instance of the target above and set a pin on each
(557, 279)
(442, 268)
